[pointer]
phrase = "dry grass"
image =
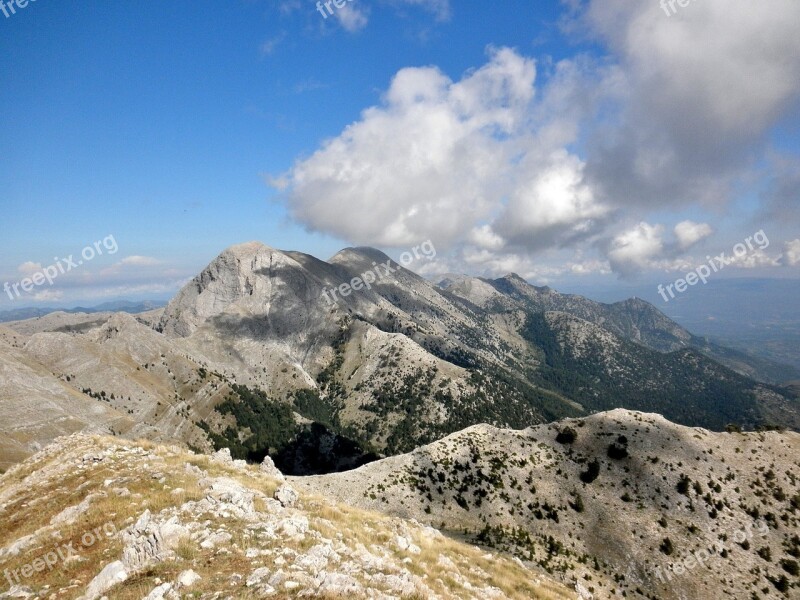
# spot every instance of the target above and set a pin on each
(33, 510)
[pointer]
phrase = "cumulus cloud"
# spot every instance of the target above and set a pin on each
(550, 203)
(430, 162)
(635, 249)
(791, 253)
(436, 160)
(689, 233)
(704, 88)
(29, 268)
(755, 259)
(47, 295)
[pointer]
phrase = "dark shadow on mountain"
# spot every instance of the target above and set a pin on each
(317, 450)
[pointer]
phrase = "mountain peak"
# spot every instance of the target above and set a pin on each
(358, 255)
(247, 249)
(513, 277)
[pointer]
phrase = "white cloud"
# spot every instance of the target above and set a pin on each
(689, 233)
(712, 61)
(484, 237)
(703, 89)
(753, 260)
(590, 267)
(47, 295)
(139, 261)
(351, 17)
(550, 202)
(636, 249)
(430, 162)
(791, 253)
(130, 264)
(29, 268)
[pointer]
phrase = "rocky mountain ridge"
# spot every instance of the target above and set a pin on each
(379, 371)
(94, 517)
(628, 503)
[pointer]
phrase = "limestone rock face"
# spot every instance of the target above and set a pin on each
(268, 468)
(286, 496)
(248, 280)
(112, 574)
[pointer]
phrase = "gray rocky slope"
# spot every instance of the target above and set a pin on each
(402, 363)
(628, 503)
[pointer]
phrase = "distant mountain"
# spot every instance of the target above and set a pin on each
(633, 319)
(759, 318)
(256, 354)
(20, 314)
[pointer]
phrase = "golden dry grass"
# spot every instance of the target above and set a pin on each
(33, 509)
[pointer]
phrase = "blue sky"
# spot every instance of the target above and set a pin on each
(183, 128)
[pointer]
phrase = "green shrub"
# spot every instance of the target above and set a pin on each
(591, 473)
(567, 436)
(666, 547)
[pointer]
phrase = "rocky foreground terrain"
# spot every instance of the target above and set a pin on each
(95, 517)
(627, 503)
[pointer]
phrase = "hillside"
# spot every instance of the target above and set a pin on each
(96, 517)
(626, 502)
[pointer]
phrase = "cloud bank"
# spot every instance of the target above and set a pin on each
(589, 166)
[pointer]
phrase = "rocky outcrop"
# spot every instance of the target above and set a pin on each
(211, 526)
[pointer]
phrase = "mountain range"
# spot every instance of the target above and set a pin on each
(599, 445)
(377, 372)
(19, 314)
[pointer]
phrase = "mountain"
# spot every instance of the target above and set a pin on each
(19, 314)
(94, 516)
(257, 354)
(37, 406)
(503, 414)
(633, 319)
(626, 502)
